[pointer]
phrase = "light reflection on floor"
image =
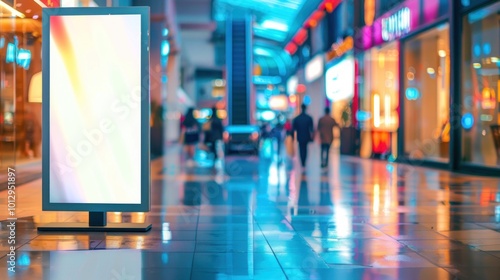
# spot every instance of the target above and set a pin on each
(262, 218)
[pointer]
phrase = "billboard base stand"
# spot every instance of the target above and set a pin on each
(97, 223)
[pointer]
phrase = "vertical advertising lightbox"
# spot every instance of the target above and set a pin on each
(96, 109)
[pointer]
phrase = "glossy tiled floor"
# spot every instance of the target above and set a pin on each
(258, 219)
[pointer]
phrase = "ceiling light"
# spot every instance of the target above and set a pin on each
(431, 71)
(270, 24)
(261, 51)
(40, 3)
(494, 59)
(13, 11)
(476, 65)
(28, 11)
(35, 17)
(442, 53)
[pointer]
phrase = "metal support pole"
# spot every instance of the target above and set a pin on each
(455, 84)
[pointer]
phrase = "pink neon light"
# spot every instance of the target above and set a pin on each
(373, 35)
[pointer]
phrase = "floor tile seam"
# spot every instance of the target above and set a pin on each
(483, 227)
(432, 262)
(309, 246)
(272, 250)
(469, 245)
(101, 241)
(490, 254)
(194, 250)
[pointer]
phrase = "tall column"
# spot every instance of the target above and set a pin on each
(455, 82)
(171, 100)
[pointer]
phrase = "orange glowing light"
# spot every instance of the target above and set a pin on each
(369, 12)
(257, 70)
(329, 7)
(488, 98)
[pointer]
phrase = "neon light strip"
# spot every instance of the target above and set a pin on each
(387, 110)
(376, 110)
(13, 11)
(40, 3)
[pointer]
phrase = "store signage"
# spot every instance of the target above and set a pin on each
(393, 25)
(396, 25)
(314, 69)
(340, 48)
(266, 80)
(339, 80)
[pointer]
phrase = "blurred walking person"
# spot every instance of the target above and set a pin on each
(191, 135)
(303, 127)
(325, 129)
(217, 130)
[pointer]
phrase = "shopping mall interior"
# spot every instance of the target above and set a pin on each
(256, 139)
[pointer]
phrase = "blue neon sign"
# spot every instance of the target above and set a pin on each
(10, 56)
(467, 121)
(266, 80)
(412, 93)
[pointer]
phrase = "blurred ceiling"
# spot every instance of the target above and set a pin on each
(196, 26)
(274, 19)
(275, 23)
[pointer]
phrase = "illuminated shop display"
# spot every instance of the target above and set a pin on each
(426, 85)
(20, 60)
(423, 82)
(480, 87)
(379, 100)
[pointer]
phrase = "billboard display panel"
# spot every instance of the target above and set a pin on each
(96, 109)
(339, 80)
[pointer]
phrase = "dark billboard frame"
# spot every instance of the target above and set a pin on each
(144, 205)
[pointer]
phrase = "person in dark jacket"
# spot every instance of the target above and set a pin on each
(217, 130)
(303, 127)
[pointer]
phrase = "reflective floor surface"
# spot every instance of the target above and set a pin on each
(265, 218)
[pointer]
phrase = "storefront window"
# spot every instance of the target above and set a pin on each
(426, 95)
(480, 84)
(379, 101)
(20, 94)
